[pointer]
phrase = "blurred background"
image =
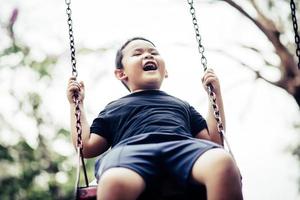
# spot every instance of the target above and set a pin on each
(249, 43)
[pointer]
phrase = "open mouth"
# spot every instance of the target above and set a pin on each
(150, 66)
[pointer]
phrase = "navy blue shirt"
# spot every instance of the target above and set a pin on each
(147, 112)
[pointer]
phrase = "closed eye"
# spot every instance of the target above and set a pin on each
(154, 53)
(137, 54)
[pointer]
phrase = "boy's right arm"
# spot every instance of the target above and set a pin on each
(93, 144)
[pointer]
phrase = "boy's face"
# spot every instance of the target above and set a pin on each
(143, 68)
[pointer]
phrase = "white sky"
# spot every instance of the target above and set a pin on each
(259, 117)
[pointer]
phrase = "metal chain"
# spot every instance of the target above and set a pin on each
(198, 36)
(212, 95)
(76, 100)
(295, 26)
(74, 74)
(78, 122)
(71, 37)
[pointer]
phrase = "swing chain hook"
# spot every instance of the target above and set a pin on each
(295, 26)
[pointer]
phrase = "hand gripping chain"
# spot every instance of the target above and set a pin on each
(76, 101)
(212, 95)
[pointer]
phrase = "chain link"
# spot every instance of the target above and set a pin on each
(78, 122)
(198, 36)
(74, 74)
(71, 37)
(295, 26)
(212, 95)
(76, 101)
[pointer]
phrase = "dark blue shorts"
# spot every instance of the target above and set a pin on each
(150, 160)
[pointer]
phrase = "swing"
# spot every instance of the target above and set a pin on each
(167, 190)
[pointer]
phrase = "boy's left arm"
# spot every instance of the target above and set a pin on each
(212, 133)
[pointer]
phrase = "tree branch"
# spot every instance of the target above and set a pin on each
(259, 53)
(290, 75)
(266, 26)
(243, 12)
(256, 72)
(262, 18)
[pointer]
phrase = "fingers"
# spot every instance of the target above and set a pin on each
(209, 77)
(81, 84)
(75, 88)
(73, 85)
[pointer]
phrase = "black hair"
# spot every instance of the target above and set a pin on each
(119, 55)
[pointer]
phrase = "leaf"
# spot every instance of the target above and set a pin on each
(63, 132)
(4, 154)
(35, 100)
(43, 67)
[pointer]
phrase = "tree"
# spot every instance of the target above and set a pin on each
(30, 172)
(26, 166)
(274, 28)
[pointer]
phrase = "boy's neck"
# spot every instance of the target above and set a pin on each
(140, 90)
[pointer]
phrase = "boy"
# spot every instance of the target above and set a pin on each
(151, 133)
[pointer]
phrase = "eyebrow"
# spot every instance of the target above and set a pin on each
(142, 49)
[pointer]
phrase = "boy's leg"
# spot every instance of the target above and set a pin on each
(218, 172)
(120, 184)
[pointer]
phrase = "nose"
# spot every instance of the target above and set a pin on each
(148, 55)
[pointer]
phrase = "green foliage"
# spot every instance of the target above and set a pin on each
(32, 172)
(296, 152)
(4, 154)
(33, 164)
(270, 4)
(11, 50)
(63, 132)
(42, 67)
(35, 100)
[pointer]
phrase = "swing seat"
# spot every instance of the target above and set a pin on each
(86, 193)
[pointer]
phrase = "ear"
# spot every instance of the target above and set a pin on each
(166, 74)
(120, 74)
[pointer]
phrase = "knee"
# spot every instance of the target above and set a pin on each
(112, 180)
(215, 163)
(224, 165)
(120, 183)
(217, 170)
